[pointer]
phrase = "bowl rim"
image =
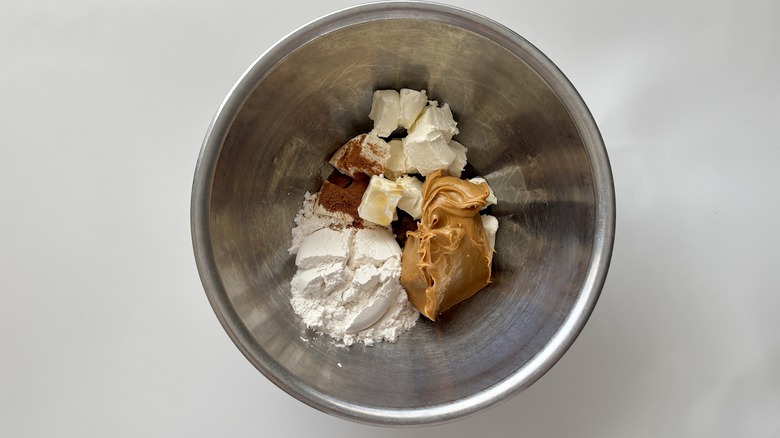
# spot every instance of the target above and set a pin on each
(604, 196)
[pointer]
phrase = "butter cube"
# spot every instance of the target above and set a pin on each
(438, 119)
(411, 197)
(428, 151)
(365, 153)
(380, 201)
(490, 224)
(398, 163)
(457, 165)
(491, 199)
(412, 104)
(385, 109)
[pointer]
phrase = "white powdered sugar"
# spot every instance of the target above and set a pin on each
(348, 280)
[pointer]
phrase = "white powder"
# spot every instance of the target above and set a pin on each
(307, 222)
(330, 297)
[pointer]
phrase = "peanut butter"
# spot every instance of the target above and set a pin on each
(447, 259)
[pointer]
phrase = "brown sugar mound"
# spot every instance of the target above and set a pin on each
(342, 194)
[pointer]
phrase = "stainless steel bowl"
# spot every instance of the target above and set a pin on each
(528, 132)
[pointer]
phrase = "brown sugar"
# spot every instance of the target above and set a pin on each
(341, 194)
(339, 179)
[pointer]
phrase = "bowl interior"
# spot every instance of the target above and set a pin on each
(521, 137)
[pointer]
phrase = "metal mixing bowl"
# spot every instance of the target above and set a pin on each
(528, 132)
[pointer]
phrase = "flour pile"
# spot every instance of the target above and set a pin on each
(347, 284)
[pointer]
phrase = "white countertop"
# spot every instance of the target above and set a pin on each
(104, 326)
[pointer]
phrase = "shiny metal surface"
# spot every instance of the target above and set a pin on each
(528, 132)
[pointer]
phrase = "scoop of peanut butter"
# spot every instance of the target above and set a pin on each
(447, 259)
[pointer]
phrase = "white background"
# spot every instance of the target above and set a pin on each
(105, 329)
